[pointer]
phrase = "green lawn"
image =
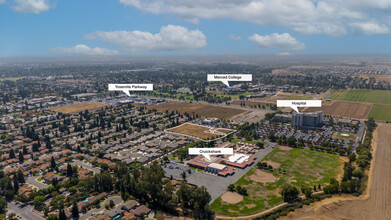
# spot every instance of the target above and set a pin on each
(301, 168)
(371, 96)
(13, 79)
(349, 136)
(381, 112)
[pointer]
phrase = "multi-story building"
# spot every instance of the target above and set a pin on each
(307, 119)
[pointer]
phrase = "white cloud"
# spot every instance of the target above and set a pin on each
(370, 28)
(282, 41)
(170, 38)
(235, 37)
(283, 54)
(84, 50)
(2, 1)
(32, 6)
(331, 17)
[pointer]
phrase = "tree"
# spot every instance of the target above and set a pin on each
(231, 187)
(20, 176)
(183, 175)
(3, 205)
(21, 158)
(289, 193)
(62, 215)
(111, 203)
(12, 154)
(184, 195)
(52, 163)
(75, 210)
(308, 193)
(38, 201)
(69, 170)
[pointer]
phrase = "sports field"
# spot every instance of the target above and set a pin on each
(371, 96)
(299, 167)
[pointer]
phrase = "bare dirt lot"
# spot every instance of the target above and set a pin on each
(386, 78)
(260, 176)
(200, 109)
(275, 165)
(284, 148)
(356, 110)
(80, 107)
(201, 132)
(375, 205)
(231, 197)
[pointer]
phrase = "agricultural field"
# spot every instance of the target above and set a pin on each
(386, 78)
(69, 109)
(354, 110)
(198, 109)
(199, 131)
(299, 167)
(381, 112)
(371, 96)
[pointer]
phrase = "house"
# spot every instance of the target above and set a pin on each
(129, 216)
(128, 205)
(142, 211)
(25, 190)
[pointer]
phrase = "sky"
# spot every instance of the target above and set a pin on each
(56, 28)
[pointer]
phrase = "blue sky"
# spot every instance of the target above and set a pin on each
(193, 27)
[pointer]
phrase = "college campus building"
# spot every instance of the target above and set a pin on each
(307, 119)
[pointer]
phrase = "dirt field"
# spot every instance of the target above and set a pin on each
(386, 78)
(80, 107)
(375, 205)
(284, 148)
(275, 165)
(262, 177)
(250, 116)
(198, 131)
(231, 197)
(354, 110)
(200, 109)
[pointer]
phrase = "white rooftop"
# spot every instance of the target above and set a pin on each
(238, 158)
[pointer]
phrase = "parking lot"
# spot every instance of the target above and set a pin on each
(175, 170)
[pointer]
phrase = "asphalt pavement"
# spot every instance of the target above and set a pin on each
(23, 211)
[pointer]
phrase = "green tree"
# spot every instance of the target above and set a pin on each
(38, 201)
(289, 193)
(3, 205)
(20, 176)
(75, 210)
(69, 170)
(52, 163)
(12, 154)
(21, 158)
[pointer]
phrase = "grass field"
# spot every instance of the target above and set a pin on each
(299, 167)
(344, 135)
(200, 109)
(79, 107)
(355, 110)
(371, 96)
(13, 79)
(381, 112)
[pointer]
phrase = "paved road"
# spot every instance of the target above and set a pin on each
(24, 212)
(217, 185)
(360, 134)
(34, 182)
(116, 199)
(85, 166)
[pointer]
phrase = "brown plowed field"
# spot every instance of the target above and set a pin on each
(356, 110)
(80, 107)
(200, 109)
(375, 205)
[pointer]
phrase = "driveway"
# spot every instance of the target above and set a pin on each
(116, 199)
(85, 166)
(34, 182)
(25, 212)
